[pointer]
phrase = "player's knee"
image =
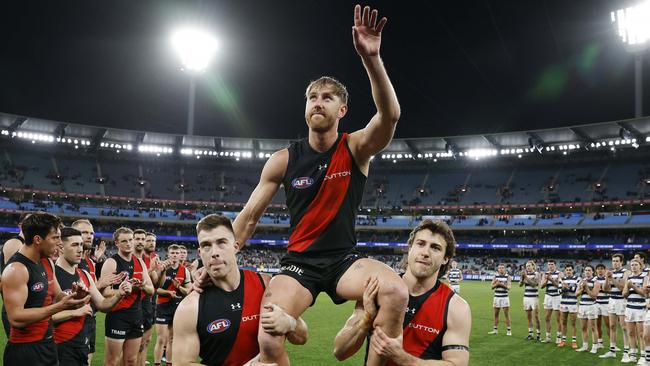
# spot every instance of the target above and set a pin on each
(270, 346)
(394, 294)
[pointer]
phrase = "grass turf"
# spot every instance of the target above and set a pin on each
(325, 319)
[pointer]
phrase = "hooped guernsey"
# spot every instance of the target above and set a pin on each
(227, 322)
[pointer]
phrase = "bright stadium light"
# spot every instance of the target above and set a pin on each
(195, 47)
(633, 27)
(633, 24)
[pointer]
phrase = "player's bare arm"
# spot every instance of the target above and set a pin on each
(351, 337)
(15, 293)
(270, 181)
(372, 139)
(186, 345)
(105, 304)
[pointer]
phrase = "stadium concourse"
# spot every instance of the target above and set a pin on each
(513, 210)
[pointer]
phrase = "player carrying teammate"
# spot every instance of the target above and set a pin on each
(323, 177)
(438, 321)
(220, 325)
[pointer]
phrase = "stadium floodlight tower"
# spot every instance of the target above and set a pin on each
(196, 49)
(633, 27)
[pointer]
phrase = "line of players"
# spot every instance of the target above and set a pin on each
(51, 302)
(68, 293)
(600, 298)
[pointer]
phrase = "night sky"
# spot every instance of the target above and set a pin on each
(459, 67)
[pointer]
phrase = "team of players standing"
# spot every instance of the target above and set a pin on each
(602, 298)
(64, 284)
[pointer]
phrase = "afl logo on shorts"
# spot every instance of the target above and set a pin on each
(218, 326)
(302, 182)
(38, 287)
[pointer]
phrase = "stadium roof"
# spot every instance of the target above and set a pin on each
(635, 131)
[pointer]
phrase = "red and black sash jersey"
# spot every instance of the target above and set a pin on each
(425, 323)
(227, 322)
(41, 286)
(74, 331)
(147, 305)
(170, 274)
(323, 193)
(132, 269)
(88, 265)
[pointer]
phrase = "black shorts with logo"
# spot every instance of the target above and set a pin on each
(318, 274)
(165, 312)
(42, 353)
(123, 325)
(72, 356)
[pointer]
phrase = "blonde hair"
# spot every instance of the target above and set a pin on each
(339, 89)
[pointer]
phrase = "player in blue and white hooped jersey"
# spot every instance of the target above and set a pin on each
(602, 305)
(569, 304)
(587, 291)
(552, 299)
(616, 279)
(501, 283)
(635, 310)
(455, 276)
(646, 325)
(530, 279)
(643, 259)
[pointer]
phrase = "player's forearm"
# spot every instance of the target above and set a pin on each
(405, 359)
(109, 303)
(351, 338)
(185, 289)
(245, 224)
(148, 289)
(383, 92)
(64, 315)
(25, 317)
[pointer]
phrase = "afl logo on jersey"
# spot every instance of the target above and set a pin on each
(38, 287)
(218, 326)
(302, 182)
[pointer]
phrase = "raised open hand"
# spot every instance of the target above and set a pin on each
(366, 32)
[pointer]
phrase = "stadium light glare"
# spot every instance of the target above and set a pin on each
(195, 47)
(633, 24)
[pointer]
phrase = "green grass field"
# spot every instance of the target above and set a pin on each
(325, 319)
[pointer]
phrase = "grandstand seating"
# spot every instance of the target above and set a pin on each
(465, 184)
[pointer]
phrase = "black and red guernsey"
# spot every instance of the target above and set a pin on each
(88, 265)
(75, 331)
(425, 323)
(227, 322)
(170, 274)
(40, 287)
(132, 269)
(146, 299)
(323, 193)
